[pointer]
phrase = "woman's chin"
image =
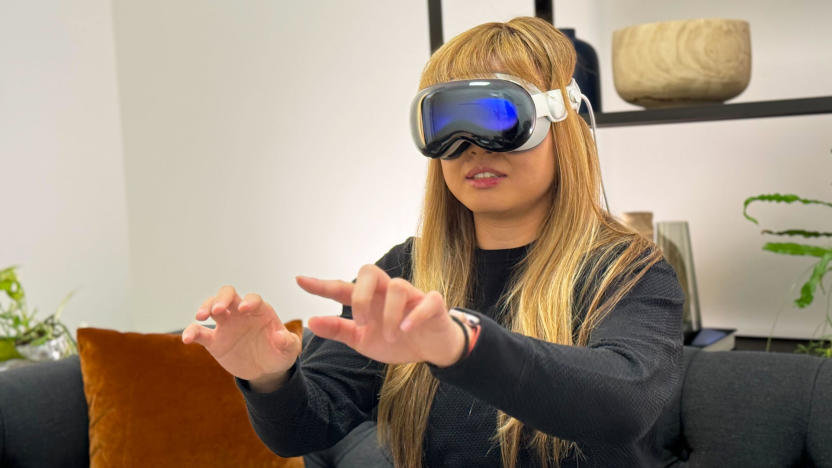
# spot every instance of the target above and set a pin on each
(484, 210)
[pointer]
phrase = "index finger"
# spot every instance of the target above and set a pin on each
(217, 306)
(337, 290)
(226, 297)
(369, 285)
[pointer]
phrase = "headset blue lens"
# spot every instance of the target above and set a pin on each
(490, 113)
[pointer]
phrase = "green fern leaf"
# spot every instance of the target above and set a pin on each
(791, 248)
(797, 232)
(778, 198)
(807, 292)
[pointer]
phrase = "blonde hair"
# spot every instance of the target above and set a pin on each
(582, 263)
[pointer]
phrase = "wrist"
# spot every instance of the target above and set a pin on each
(458, 345)
(268, 383)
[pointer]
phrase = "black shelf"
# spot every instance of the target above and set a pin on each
(758, 343)
(709, 112)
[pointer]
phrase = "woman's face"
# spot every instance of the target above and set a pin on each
(510, 185)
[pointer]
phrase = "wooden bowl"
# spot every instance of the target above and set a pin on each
(678, 63)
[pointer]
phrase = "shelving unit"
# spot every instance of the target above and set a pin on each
(710, 112)
(743, 110)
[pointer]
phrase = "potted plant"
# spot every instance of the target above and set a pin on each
(21, 335)
(821, 255)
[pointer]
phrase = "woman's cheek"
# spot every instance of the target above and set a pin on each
(452, 178)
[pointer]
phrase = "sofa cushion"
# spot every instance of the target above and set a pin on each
(155, 401)
(751, 408)
(43, 416)
(819, 436)
(669, 427)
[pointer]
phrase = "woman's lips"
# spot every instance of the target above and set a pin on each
(483, 169)
(485, 182)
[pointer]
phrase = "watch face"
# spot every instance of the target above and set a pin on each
(468, 318)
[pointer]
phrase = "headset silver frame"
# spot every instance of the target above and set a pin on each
(549, 107)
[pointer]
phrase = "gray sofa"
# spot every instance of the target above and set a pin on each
(734, 409)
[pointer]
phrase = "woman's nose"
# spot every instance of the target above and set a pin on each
(475, 150)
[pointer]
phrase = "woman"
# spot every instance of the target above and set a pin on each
(572, 339)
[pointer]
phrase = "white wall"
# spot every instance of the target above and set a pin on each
(64, 217)
(461, 15)
(264, 140)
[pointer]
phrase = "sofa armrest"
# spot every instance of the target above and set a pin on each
(43, 415)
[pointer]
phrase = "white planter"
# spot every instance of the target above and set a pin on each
(52, 350)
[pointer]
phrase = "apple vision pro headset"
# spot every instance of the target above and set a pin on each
(497, 112)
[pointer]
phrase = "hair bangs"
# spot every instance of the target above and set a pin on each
(482, 51)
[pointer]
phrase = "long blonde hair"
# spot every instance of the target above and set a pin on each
(581, 264)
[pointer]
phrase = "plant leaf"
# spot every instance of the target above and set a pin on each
(9, 272)
(10, 284)
(791, 248)
(73, 344)
(808, 290)
(63, 304)
(778, 198)
(797, 232)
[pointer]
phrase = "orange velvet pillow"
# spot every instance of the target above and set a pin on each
(155, 401)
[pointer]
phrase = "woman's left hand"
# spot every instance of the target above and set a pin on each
(393, 321)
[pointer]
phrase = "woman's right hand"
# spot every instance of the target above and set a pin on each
(249, 340)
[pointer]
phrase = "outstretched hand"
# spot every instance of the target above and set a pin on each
(249, 340)
(393, 321)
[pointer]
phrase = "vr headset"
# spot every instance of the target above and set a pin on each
(500, 113)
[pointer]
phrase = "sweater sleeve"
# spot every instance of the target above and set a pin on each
(330, 390)
(612, 390)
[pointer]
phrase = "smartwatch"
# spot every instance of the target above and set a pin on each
(471, 322)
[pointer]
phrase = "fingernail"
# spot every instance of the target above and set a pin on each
(242, 304)
(201, 310)
(216, 308)
(405, 325)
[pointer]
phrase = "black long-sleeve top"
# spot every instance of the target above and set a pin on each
(606, 396)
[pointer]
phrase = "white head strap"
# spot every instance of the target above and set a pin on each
(550, 104)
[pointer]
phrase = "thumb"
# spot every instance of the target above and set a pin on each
(284, 340)
(196, 333)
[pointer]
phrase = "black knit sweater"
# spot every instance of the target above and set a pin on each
(606, 396)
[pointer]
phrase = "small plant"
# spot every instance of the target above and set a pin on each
(822, 348)
(19, 325)
(14, 319)
(822, 265)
